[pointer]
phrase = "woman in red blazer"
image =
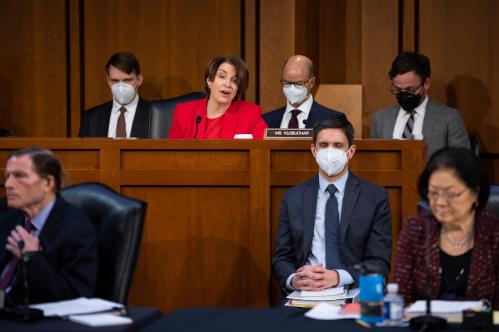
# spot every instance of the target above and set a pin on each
(222, 115)
(463, 238)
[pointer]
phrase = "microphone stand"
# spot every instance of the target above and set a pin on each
(28, 314)
(428, 322)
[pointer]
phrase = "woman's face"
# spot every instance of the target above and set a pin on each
(224, 87)
(451, 201)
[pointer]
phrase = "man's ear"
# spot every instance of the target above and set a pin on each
(352, 150)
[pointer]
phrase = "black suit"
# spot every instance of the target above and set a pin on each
(67, 265)
(95, 121)
(365, 227)
(317, 113)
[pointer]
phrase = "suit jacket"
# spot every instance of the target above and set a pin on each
(240, 118)
(410, 273)
(317, 113)
(442, 126)
(365, 227)
(95, 121)
(67, 265)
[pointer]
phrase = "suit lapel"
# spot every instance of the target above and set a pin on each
(309, 206)
(314, 116)
(50, 227)
(230, 121)
(430, 118)
(104, 125)
(140, 121)
(389, 124)
(349, 201)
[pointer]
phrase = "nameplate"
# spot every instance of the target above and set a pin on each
(282, 133)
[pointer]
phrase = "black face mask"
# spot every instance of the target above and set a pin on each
(408, 101)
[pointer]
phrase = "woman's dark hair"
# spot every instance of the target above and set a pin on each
(466, 167)
(45, 163)
(241, 73)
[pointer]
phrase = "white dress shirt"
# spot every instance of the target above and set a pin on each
(403, 116)
(131, 108)
(318, 250)
(304, 108)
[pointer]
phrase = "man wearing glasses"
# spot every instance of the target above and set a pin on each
(301, 111)
(415, 116)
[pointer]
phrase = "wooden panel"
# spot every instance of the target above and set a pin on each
(33, 67)
(210, 230)
(173, 40)
(346, 98)
(460, 38)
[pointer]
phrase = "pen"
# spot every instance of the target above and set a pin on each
(362, 323)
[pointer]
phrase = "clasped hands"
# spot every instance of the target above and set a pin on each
(31, 243)
(314, 278)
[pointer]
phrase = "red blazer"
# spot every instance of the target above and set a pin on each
(483, 278)
(241, 118)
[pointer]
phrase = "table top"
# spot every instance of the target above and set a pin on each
(141, 316)
(257, 319)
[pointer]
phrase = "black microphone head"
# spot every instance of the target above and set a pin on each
(306, 122)
(198, 119)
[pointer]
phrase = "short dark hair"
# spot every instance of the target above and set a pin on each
(241, 72)
(45, 163)
(410, 61)
(338, 122)
(124, 61)
(466, 167)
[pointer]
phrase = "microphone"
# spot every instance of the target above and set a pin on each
(427, 322)
(306, 123)
(198, 120)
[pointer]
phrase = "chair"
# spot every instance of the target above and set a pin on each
(161, 114)
(475, 145)
(119, 222)
(5, 132)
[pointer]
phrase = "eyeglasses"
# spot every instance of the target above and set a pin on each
(288, 84)
(396, 90)
(449, 196)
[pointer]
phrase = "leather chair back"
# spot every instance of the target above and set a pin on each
(161, 115)
(119, 221)
(475, 145)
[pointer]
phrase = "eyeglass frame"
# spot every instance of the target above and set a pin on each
(396, 90)
(288, 84)
(449, 196)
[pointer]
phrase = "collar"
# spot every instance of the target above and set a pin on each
(339, 183)
(304, 107)
(131, 106)
(39, 220)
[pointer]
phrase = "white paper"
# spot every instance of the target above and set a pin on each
(326, 292)
(77, 306)
(296, 295)
(100, 319)
(324, 311)
(444, 307)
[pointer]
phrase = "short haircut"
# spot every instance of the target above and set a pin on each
(466, 167)
(241, 72)
(335, 122)
(45, 163)
(124, 61)
(409, 61)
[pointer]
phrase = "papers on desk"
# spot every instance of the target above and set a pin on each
(324, 311)
(332, 296)
(92, 312)
(450, 310)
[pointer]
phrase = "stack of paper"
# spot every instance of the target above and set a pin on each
(450, 310)
(334, 296)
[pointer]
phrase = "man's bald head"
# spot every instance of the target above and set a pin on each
(297, 68)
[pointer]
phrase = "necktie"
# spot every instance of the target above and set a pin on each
(332, 231)
(14, 262)
(293, 122)
(121, 126)
(409, 125)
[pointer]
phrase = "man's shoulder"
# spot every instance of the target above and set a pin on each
(436, 106)
(275, 112)
(387, 111)
(321, 108)
(368, 187)
(301, 187)
(68, 211)
(107, 106)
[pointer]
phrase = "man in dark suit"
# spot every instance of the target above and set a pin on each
(332, 222)
(301, 111)
(416, 116)
(58, 243)
(127, 115)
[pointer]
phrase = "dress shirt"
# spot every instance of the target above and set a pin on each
(403, 116)
(318, 250)
(304, 108)
(131, 108)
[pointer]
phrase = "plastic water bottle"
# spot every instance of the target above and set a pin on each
(394, 305)
(371, 298)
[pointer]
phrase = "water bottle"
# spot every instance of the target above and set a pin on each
(394, 305)
(371, 298)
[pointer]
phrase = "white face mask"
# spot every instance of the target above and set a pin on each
(123, 93)
(295, 94)
(331, 161)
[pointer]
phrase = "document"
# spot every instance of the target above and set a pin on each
(324, 311)
(100, 319)
(77, 306)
